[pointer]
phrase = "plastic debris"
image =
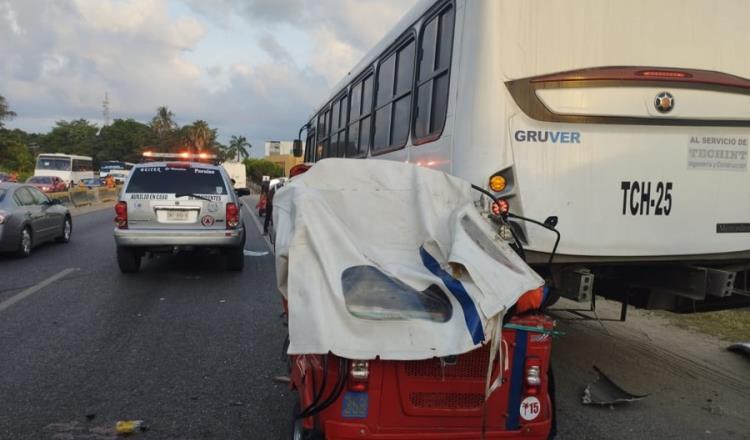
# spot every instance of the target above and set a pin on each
(740, 347)
(128, 427)
(248, 253)
(604, 392)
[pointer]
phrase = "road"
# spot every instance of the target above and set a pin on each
(191, 349)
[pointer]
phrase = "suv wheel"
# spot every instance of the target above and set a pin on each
(235, 258)
(128, 259)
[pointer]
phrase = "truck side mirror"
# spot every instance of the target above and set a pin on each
(297, 148)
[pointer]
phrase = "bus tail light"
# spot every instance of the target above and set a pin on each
(121, 215)
(498, 183)
(359, 373)
(533, 376)
(501, 207)
(233, 215)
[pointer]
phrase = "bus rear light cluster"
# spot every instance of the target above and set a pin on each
(359, 373)
(501, 207)
(121, 215)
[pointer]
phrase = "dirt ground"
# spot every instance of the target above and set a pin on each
(697, 389)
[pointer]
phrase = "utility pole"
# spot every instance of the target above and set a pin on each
(105, 109)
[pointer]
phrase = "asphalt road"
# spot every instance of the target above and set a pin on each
(191, 349)
(184, 345)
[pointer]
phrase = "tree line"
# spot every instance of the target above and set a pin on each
(123, 139)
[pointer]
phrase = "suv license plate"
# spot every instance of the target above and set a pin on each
(177, 216)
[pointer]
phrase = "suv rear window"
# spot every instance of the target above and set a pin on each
(176, 180)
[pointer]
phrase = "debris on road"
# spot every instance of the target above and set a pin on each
(604, 392)
(740, 347)
(128, 427)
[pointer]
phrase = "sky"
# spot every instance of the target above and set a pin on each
(254, 68)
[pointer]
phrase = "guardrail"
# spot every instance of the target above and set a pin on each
(84, 196)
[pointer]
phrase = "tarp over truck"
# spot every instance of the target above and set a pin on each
(390, 260)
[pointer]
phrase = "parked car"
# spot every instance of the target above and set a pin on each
(95, 182)
(29, 218)
(47, 183)
(178, 206)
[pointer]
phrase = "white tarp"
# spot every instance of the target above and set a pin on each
(381, 258)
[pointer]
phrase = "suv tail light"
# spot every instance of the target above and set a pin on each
(121, 215)
(359, 373)
(233, 215)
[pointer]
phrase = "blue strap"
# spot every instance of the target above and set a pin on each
(516, 381)
(473, 322)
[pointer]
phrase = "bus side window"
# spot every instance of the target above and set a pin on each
(360, 115)
(393, 104)
(436, 42)
(338, 127)
(310, 143)
(321, 148)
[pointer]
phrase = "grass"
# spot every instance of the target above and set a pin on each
(730, 325)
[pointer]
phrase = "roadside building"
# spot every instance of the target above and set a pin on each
(280, 153)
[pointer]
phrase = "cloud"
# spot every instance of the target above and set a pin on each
(61, 56)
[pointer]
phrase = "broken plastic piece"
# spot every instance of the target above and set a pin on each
(740, 347)
(127, 427)
(603, 391)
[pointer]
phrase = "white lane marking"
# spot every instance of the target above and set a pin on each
(20, 296)
(260, 228)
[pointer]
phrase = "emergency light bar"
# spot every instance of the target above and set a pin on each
(151, 154)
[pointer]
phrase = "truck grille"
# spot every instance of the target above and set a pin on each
(472, 365)
(446, 400)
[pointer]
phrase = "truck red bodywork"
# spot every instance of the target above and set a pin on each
(434, 398)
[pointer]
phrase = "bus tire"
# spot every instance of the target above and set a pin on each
(128, 259)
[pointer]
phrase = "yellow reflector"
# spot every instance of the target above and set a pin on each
(497, 183)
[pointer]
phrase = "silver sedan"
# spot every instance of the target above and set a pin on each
(29, 218)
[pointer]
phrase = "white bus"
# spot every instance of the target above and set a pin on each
(70, 168)
(629, 121)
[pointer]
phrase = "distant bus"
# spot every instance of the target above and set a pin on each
(116, 168)
(70, 168)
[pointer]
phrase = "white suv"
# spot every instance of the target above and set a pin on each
(175, 206)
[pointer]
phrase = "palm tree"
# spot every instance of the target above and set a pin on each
(238, 146)
(163, 123)
(200, 135)
(5, 112)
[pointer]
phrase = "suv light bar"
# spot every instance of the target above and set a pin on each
(151, 154)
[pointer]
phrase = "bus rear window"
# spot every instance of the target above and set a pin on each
(166, 180)
(48, 163)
